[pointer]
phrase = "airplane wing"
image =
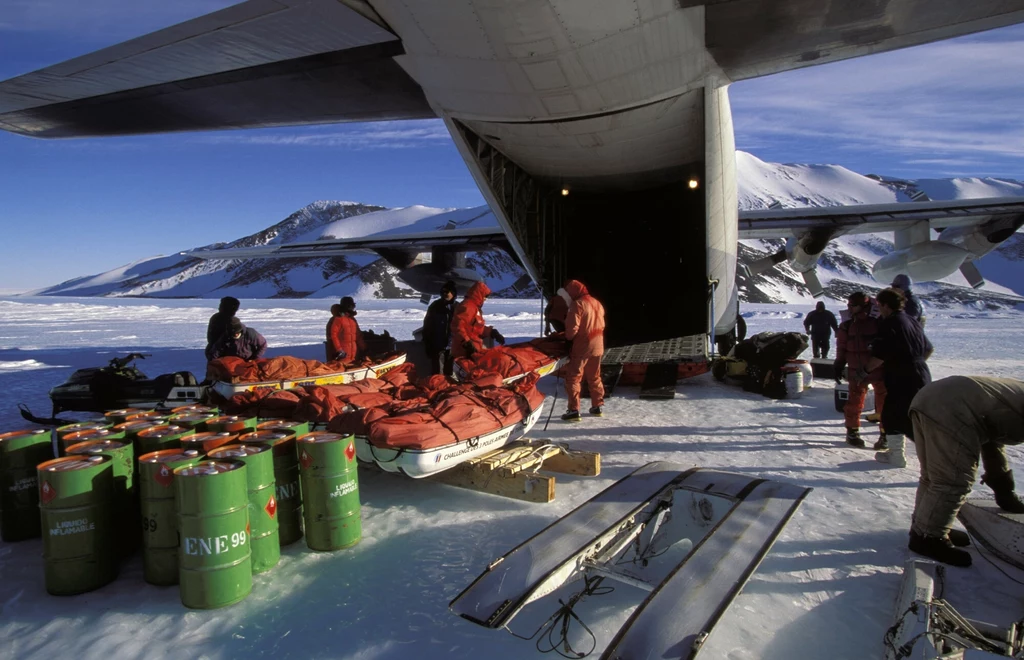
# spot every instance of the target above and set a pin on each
(869, 218)
(752, 38)
(460, 240)
(256, 64)
(265, 63)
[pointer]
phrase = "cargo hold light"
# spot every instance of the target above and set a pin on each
(693, 183)
(565, 192)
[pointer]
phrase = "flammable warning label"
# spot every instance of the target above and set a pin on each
(68, 527)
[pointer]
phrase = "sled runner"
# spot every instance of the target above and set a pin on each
(1000, 532)
(694, 537)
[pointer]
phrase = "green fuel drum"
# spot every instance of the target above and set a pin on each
(75, 512)
(285, 425)
(160, 437)
(192, 420)
(84, 431)
(286, 478)
(206, 441)
(195, 408)
(231, 424)
(160, 514)
(122, 415)
(125, 525)
(214, 565)
(330, 490)
(263, 537)
(20, 453)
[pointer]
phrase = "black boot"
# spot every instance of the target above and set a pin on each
(1002, 485)
(882, 444)
(853, 438)
(959, 538)
(940, 550)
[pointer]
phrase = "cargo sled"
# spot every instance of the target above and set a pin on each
(541, 356)
(229, 389)
(121, 384)
(926, 627)
(424, 460)
(687, 538)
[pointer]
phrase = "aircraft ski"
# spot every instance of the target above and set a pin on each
(695, 537)
(1000, 532)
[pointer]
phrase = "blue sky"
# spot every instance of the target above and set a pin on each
(78, 207)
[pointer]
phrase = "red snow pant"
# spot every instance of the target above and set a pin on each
(580, 367)
(855, 404)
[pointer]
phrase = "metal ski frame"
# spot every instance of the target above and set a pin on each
(709, 529)
(927, 627)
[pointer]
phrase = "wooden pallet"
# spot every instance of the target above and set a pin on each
(512, 470)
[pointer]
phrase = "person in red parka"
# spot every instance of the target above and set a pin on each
(344, 340)
(584, 327)
(468, 327)
(853, 350)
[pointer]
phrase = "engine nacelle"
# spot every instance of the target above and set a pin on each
(803, 252)
(923, 262)
(981, 239)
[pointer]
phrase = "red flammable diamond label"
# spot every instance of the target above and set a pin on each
(47, 492)
(271, 507)
(305, 459)
(164, 477)
(350, 451)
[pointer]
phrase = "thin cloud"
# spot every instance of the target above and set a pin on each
(380, 135)
(955, 101)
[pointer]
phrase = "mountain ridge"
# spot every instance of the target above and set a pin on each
(845, 265)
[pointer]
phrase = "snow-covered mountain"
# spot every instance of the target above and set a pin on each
(845, 266)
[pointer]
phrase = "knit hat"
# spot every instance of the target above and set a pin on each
(449, 286)
(347, 304)
(902, 281)
(236, 325)
(229, 304)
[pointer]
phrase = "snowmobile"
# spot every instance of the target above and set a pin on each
(121, 384)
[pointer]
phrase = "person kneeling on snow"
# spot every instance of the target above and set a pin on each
(239, 341)
(957, 420)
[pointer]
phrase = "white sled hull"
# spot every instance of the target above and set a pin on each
(419, 463)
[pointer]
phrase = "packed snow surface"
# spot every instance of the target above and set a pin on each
(826, 590)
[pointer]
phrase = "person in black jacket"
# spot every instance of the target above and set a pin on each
(437, 330)
(221, 321)
(239, 341)
(903, 348)
(911, 305)
(820, 324)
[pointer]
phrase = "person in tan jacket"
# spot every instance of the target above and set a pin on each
(957, 422)
(584, 327)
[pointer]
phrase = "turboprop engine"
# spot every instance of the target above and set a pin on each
(801, 253)
(957, 248)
